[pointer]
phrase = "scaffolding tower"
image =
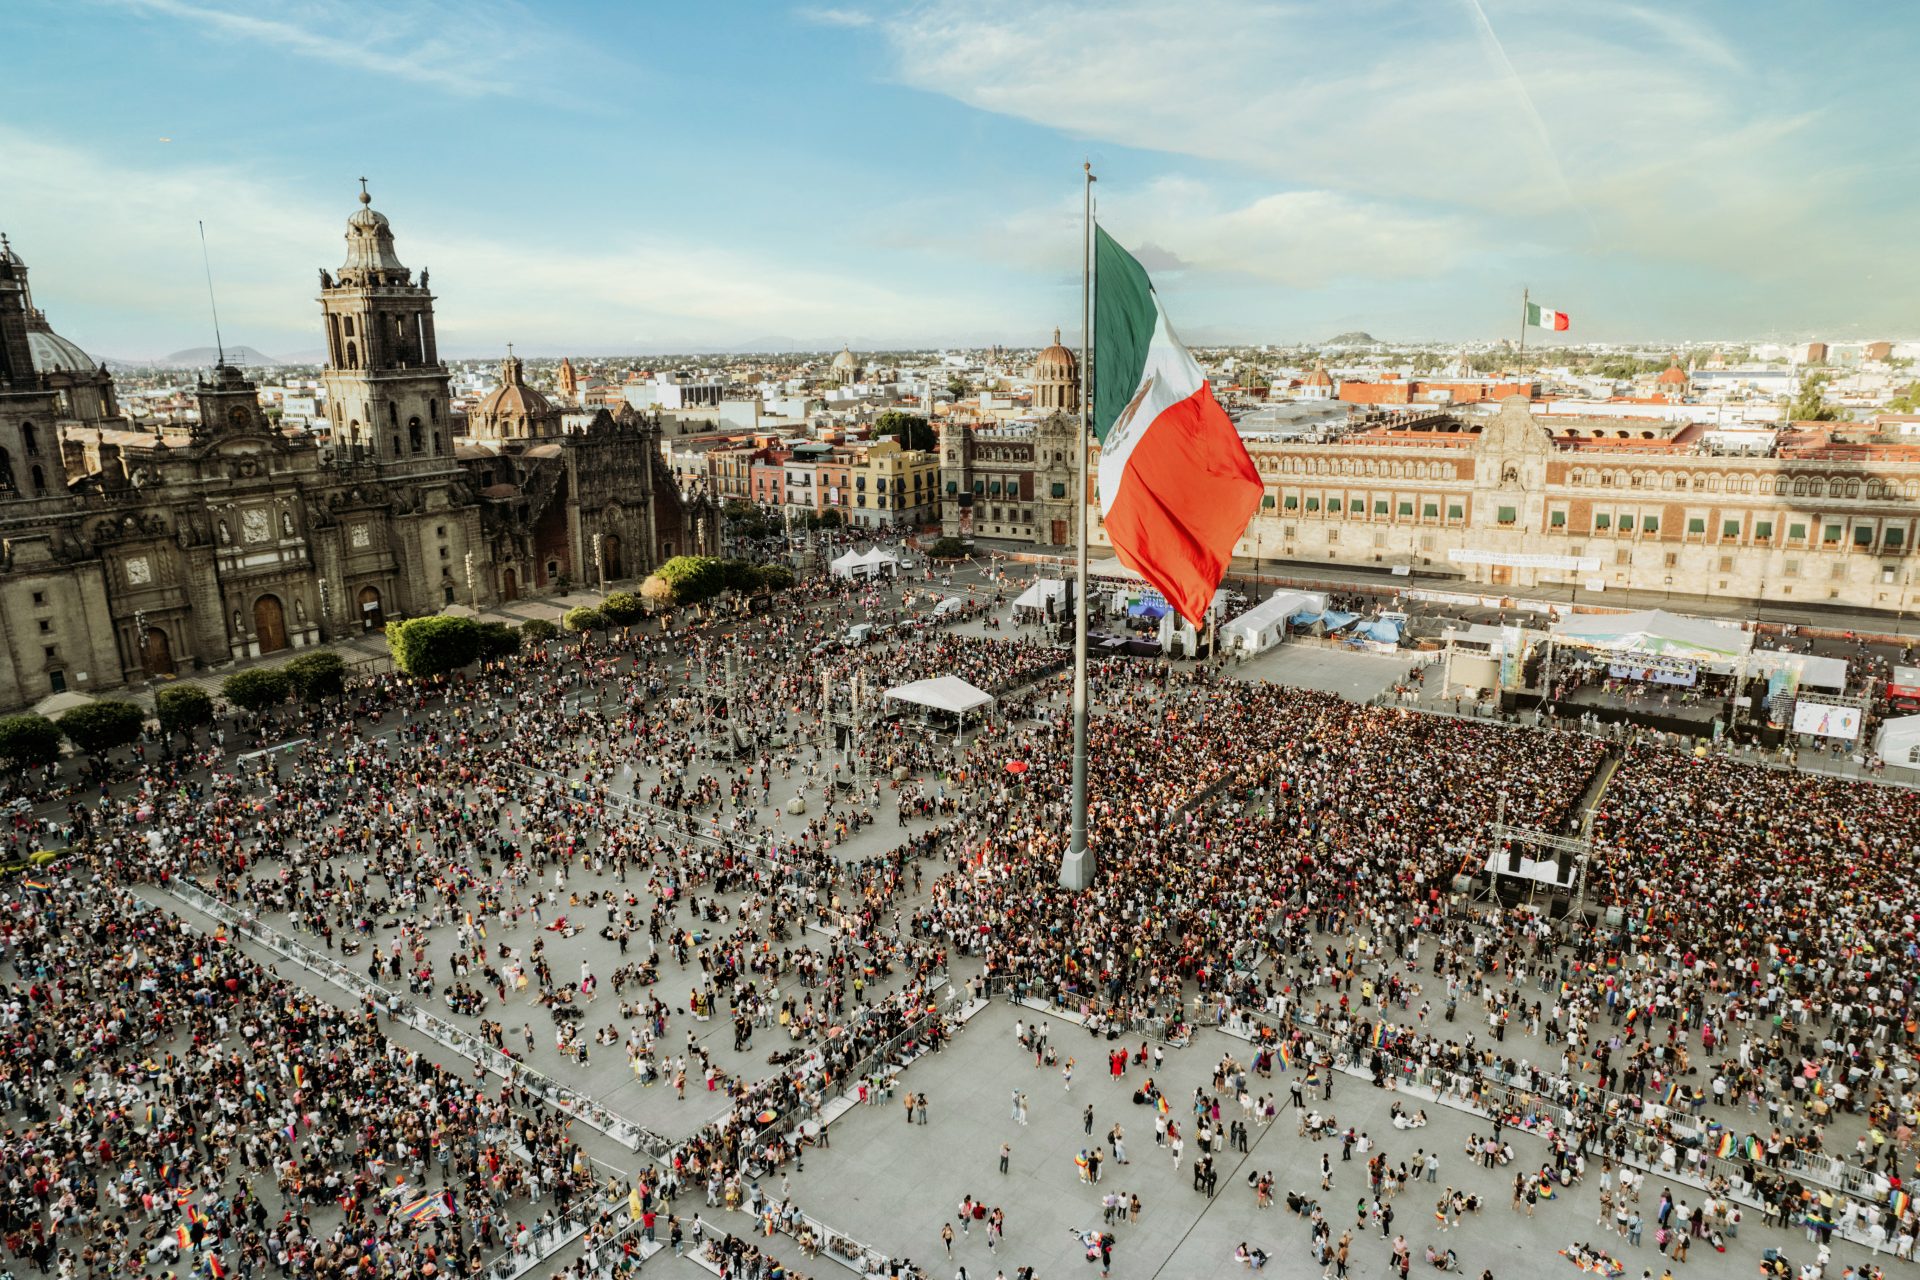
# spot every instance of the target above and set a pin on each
(1574, 853)
(849, 725)
(723, 734)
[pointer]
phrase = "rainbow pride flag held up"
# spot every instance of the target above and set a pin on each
(1379, 1032)
(1726, 1146)
(1286, 1055)
(1898, 1202)
(1161, 1102)
(1675, 1093)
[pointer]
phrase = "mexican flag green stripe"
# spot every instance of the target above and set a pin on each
(1176, 485)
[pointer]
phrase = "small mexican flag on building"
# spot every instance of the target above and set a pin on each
(1541, 318)
(1176, 485)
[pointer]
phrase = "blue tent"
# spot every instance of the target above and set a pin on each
(1384, 632)
(1336, 620)
(1148, 609)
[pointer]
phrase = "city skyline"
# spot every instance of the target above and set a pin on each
(582, 180)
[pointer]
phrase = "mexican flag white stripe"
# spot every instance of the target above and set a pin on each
(1176, 485)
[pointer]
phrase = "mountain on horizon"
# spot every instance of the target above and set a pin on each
(1353, 338)
(200, 357)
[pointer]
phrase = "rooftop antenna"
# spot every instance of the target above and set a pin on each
(212, 305)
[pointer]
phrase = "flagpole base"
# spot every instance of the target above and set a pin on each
(1076, 869)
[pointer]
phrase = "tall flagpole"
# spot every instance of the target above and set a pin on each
(1076, 869)
(1526, 300)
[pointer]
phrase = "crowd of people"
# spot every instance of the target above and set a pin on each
(1735, 1005)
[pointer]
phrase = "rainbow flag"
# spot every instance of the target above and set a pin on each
(1162, 1103)
(1674, 1093)
(1286, 1055)
(1379, 1032)
(37, 884)
(299, 1076)
(1725, 1147)
(1898, 1202)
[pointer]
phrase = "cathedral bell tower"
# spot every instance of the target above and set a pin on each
(387, 394)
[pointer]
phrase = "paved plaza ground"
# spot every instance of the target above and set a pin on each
(892, 1184)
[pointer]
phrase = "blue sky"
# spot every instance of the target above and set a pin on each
(642, 177)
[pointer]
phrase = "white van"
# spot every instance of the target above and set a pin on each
(952, 604)
(858, 634)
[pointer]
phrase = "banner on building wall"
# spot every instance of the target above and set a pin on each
(1523, 559)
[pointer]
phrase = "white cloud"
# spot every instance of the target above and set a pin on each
(1390, 103)
(1187, 233)
(116, 262)
(825, 17)
(469, 50)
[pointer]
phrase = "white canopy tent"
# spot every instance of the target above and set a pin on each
(1898, 742)
(852, 564)
(1043, 592)
(942, 693)
(1265, 625)
(879, 560)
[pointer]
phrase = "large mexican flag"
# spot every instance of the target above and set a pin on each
(1176, 485)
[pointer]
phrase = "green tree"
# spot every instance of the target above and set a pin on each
(258, 689)
(947, 549)
(910, 429)
(99, 727)
(693, 578)
(433, 646)
(1811, 404)
(182, 708)
(623, 608)
(317, 676)
(772, 577)
(956, 386)
(537, 630)
(498, 640)
(1907, 401)
(582, 619)
(28, 739)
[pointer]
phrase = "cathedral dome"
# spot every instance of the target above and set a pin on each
(54, 354)
(1056, 363)
(845, 360)
(1673, 375)
(513, 408)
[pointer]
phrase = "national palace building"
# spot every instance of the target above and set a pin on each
(1515, 500)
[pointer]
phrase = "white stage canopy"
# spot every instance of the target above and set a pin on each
(943, 693)
(1042, 591)
(1656, 632)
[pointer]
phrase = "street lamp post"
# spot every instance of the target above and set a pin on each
(600, 560)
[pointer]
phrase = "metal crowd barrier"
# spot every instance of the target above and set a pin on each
(1483, 1090)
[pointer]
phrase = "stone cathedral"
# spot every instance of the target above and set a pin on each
(128, 554)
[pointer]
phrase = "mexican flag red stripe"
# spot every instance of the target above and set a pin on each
(1176, 485)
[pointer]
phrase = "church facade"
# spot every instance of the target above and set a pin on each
(127, 555)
